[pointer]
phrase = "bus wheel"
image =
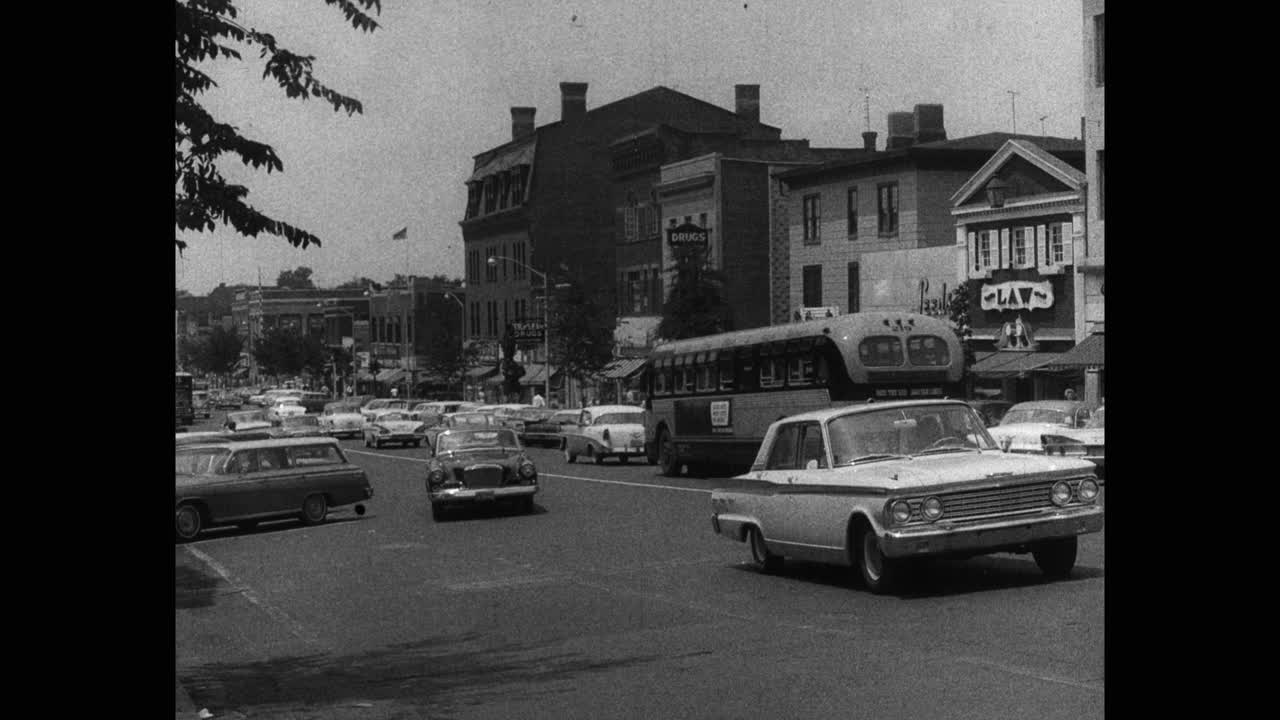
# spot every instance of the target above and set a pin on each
(668, 461)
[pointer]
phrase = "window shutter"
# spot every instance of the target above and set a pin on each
(1044, 256)
(1004, 261)
(975, 257)
(1029, 233)
(1068, 256)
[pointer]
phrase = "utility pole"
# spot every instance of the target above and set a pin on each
(1013, 105)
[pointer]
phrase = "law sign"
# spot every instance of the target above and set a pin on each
(687, 235)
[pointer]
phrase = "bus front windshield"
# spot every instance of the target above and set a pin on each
(910, 431)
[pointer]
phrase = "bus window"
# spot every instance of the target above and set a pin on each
(927, 350)
(725, 365)
(745, 361)
(880, 351)
(772, 371)
(661, 380)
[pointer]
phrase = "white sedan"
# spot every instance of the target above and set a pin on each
(606, 431)
(394, 427)
(342, 420)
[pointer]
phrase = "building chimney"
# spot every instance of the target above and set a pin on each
(573, 100)
(902, 130)
(746, 102)
(522, 122)
(928, 123)
(869, 140)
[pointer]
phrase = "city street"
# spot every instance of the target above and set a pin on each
(614, 599)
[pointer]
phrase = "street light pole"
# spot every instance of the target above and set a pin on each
(546, 324)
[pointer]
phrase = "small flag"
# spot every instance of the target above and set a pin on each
(403, 234)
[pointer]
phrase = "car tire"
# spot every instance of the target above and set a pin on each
(764, 560)
(598, 457)
(1056, 557)
(668, 460)
(188, 521)
(417, 443)
(315, 509)
(879, 573)
(366, 441)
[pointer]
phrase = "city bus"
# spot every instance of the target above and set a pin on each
(184, 409)
(712, 398)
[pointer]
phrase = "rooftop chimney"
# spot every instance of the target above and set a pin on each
(928, 124)
(573, 100)
(902, 130)
(522, 122)
(869, 140)
(747, 102)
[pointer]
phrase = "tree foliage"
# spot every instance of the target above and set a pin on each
(285, 351)
(207, 30)
(447, 357)
(359, 281)
(216, 353)
(696, 304)
(296, 279)
(512, 371)
(581, 333)
(960, 300)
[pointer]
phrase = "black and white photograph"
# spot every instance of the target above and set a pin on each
(650, 359)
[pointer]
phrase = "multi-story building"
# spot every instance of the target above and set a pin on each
(1019, 221)
(875, 232)
(574, 200)
(256, 310)
(406, 325)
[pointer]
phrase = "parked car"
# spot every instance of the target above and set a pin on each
(1023, 426)
(1088, 442)
(215, 436)
(298, 426)
(550, 430)
(377, 406)
(342, 419)
(394, 426)
(430, 411)
(246, 420)
(479, 465)
(874, 485)
(201, 405)
(992, 411)
(314, 402)
(244, 482)
(226, 400)
(286, 406)
(604, 431)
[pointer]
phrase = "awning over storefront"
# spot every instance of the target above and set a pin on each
(1090, 353)
(392, 375)
(535, 374)
(479, 373)
(623, 368)
(1008, 363)
(364, 376)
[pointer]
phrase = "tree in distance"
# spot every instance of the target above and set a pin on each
(207, 30)
(297, 279)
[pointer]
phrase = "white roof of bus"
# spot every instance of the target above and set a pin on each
(796, 331)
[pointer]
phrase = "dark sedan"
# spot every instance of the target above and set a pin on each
(479, 466)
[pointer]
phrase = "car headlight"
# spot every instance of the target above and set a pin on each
(435, 477)
(932, 508)
(527, 470)
(383, 431)
(901, 511)
(1088, 490)
(1061, 493)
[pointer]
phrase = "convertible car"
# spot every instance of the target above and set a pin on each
(480, 465)
(873, 486)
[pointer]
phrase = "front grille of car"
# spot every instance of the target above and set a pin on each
(986, 502)
(480, 476)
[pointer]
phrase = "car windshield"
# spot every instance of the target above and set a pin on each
(532, 414)
(470, 419)
(199, 461)
(250, 416)
(301, 421)
(1051, 416)
(620, 418)
(570, 416)
(1096, 420)
(392, 417)
(454, 441)
(906, 431)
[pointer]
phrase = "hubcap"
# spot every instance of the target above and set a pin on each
(315, 507)
(188, 521)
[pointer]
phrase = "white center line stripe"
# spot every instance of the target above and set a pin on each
(551, 475)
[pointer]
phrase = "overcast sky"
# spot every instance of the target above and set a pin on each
(439, 77)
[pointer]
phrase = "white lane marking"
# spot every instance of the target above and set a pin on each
(553, 475)
(273, 612)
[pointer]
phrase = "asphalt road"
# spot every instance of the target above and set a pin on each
(613, 600)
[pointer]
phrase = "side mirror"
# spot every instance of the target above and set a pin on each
(1006, 443)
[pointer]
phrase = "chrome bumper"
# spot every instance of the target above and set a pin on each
(460, 495)
(941, 538)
